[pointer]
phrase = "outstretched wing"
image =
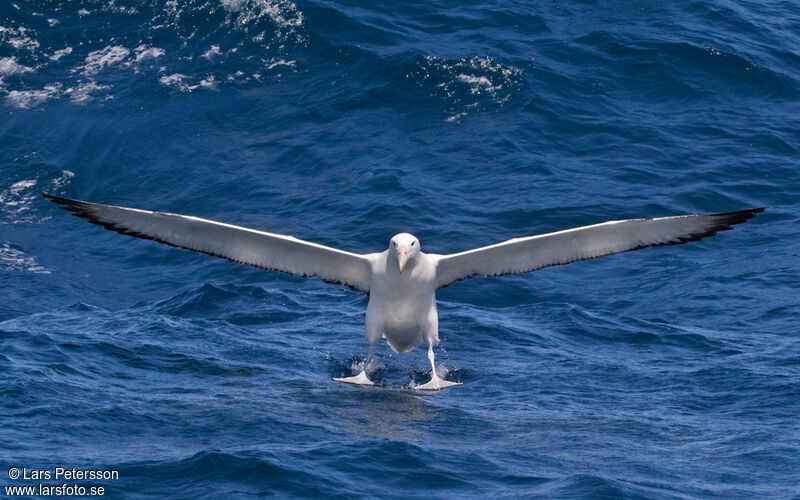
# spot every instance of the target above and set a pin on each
(273, 252)
(522, 255)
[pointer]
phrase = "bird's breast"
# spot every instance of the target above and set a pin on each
(401, 327)
(400, 317)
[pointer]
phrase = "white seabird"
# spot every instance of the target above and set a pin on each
(401, 281)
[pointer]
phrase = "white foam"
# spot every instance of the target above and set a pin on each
(207, 82)
(103, 58)
(83, 92)
(21, 40)
(475, 80)
(24, 99)
(19, 186)
(282, 13)
(16, 260)
(9, 66)
(488, 83)
(210, 53)
(61, 53)
(172, 80)
(281, 62)
(61, 180)
(271, 20)
(455, 117)
(479, 83)
(144, 52)
(17, 200)
(234, 5)
(178, 81)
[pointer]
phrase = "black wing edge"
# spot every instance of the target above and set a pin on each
(737, 216)
(81, 209)
(724, 222)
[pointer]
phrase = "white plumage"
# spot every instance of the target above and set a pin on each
(402, 280)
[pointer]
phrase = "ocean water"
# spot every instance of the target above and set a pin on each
(665, 373)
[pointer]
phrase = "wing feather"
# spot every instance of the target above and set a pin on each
(273, 252)
(522, 255)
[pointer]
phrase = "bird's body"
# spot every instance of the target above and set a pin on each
(402, 280)
(402, 306)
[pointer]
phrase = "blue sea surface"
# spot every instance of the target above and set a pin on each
(665, 373)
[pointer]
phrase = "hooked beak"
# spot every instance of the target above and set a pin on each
(402, 257)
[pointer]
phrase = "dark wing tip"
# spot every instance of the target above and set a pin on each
(77, 207)
(738, 216)
(63, 201)
(723, 221)
(726, 220)
(56, 199)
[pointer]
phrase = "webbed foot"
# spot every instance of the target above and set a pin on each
(360, 379)
(436, 384)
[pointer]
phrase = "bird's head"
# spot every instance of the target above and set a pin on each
(405, 247)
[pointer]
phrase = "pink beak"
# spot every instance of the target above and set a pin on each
(402, 257)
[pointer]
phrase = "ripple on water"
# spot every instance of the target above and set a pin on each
(256, 38)
(466, 85)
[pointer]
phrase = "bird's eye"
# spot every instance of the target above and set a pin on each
(394, 244)
(412, 243)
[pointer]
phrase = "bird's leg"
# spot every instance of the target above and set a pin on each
(370, 352)
(361, 378)
(432, 360)
(436, 383)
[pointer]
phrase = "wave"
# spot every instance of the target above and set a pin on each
(239, 305)
(226, 474)
(200, 45)
(184, 46)
(663, 373)
(17, 201)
